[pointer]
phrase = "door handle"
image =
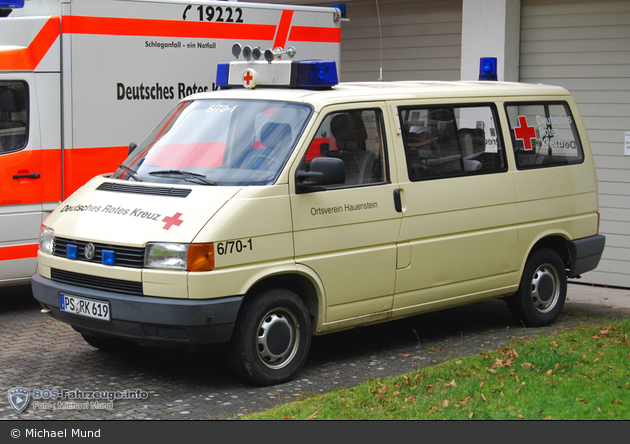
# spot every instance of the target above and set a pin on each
(397, 200)
(27, 176)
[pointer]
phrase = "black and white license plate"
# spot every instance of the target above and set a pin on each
(84, 307)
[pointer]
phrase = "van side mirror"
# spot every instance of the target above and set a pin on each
(132, 146)
(323, 171)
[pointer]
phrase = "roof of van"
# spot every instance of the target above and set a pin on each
(399, 90)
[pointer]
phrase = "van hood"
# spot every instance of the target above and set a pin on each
(119, 212)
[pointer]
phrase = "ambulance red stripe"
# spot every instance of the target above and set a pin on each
(18, 252)
(28, 58)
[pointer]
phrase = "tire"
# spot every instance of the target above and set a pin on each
(543, 290)
(109, 345)
(271, 338)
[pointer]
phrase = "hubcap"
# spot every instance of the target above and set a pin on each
(545, 288)
(278, 338)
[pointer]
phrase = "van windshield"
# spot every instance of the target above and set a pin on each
(219, 142)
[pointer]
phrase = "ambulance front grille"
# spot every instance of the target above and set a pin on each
(132, 257)
(96, 282)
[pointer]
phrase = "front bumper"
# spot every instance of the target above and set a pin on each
(145, 318)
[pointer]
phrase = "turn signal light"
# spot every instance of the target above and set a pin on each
(200, 257)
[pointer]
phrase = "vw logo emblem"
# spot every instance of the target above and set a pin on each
(89, 251)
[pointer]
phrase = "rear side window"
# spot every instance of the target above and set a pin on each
(13, 116)
(451, 140)
(543, 135)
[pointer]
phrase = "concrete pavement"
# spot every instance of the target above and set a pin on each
(598, 300)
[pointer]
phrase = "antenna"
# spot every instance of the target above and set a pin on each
(378, 13)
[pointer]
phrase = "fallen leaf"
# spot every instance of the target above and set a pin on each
(406, 355)
(450, 384)
(616, 401)
(445, 404)
(410, 398)
(528, 366)
(550, 371)
(381, 390)
(484, 398)
(553, 344)
(433, 409)
(314, 415)
(493, 371)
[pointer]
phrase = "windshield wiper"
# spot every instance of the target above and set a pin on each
(133, 173)
(186, 175)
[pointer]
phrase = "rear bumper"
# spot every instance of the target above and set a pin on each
(585, 254)
(145, 318)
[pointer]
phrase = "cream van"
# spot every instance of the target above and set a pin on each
(260, 216)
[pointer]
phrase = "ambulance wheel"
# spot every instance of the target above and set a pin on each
(109, 345)
(271, 338)
(542, 291)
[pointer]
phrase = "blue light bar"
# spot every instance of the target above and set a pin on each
(309, 74)
(488, 68)
(11, 4)
(109, 257)
(223, 71)
(71, 251)
(316, 74)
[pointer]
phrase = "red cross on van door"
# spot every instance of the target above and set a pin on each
(525, 133)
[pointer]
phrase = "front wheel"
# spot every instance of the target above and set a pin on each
(543, 290)
(271, 338)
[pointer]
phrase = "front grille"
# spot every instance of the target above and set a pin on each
(132, 257)
(142, 189)
(96, 282)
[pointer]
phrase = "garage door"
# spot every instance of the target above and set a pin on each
(421, 40)
(585, 47)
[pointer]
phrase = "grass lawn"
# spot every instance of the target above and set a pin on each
(581, 374)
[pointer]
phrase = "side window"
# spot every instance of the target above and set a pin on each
(543, 134)
(356, 137)
(447, 141)
(13, 116)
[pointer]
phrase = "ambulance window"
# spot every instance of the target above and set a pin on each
(446, 141)
(356, 137)
(219, 142)
(543, 134)
(13, 116)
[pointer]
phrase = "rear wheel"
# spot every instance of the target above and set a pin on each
(271, 338)
(543, 290)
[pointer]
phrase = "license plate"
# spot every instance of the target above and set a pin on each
(84, 307)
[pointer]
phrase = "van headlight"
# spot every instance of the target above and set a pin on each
(46, 239)
(172, 256)
(166, 255)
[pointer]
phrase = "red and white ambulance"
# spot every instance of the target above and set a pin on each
(82, 79)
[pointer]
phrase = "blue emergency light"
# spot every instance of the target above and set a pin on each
(11, 4)
(109, 257)
(341, 7)
(71, 251)
(488, 68)
(308, 74)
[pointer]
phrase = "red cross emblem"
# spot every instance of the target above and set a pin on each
(172, 220)
(250, 78)
(525, 133)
